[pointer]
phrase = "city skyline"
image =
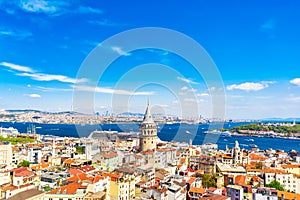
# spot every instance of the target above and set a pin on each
(255, 47)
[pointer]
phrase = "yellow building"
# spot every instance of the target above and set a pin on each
(122, 186)
(292, 169)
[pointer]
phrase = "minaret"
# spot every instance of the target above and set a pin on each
(148, 131)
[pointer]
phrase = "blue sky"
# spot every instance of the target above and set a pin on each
(254, 44)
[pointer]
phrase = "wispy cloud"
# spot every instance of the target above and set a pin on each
(18, 34)
(203, 95)
(295, 81)
(52, 77)
(49, 89)
(53, 7)
(104, 22)
(187, 80)
(92, 43)
(190, 100)
(40, 6)
(111, 91)
(17, 67)
(184, 88)
(160, 52)
(83, 9)
(293, 99)
(120, 51)
(33, 95)
(250, 86)
(29, 72)
(263, 97)
(268, 25)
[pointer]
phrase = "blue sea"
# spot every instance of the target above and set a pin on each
(166, 132)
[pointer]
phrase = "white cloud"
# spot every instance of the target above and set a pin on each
(104, 22)
(55, 7)
(52, 77)
(92, 43)
(162, 105)
(263, 97)
(186, 80)
(190, 100)
(40, 6)
(175, 102)
(49, 89)
(29, 72)
(295, 81)
(120, 51)
(294, 99)
(33, 95)
(83, 9)
(110, 91)
(192, 90)
(203, 95)
(268, 25)
(17, 67)
(184, 88)
(250, 86)
(18, 34)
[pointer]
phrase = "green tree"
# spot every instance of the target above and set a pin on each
(209, 180)
(79, 150)
(275, 184)
(24, 163)
(259, 165)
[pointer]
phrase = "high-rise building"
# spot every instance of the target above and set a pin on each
(148, 132)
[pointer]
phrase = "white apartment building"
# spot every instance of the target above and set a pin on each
(290, 182)
(5, 154)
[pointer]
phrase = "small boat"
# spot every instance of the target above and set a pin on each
(225, 140)
(187, 132)
(225, 134)
(253, 145)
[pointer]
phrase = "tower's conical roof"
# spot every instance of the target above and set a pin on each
(148, 117)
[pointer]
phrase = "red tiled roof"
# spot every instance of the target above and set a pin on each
(110, 154)
(240, 180)
(191, 180)
(80, 177)
(98, 178)
(68, 189)
(286, 166)
(197, 190)
(24, 173)
(74, 171)
(87, 168)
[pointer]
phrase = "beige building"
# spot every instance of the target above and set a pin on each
(148, 132)
(5, 154)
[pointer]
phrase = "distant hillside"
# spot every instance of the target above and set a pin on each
(42, 112)
(280, 119)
